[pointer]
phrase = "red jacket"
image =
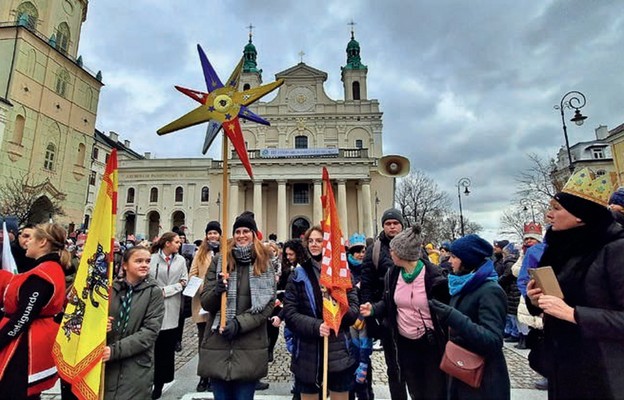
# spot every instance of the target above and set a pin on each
(41, 334)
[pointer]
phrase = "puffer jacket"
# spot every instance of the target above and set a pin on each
(508, 282)
(246, 357)
(130, 370)
(304, 315)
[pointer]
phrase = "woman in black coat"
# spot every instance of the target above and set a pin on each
(476, 317)
(584, 331)
(408, 286)
(303, 312)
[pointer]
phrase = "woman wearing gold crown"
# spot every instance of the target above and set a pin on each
(584, 331)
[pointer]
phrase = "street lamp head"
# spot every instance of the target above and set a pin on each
(466, 191)
(578, 117)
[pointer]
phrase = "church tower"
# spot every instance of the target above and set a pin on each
(48, 104)
(354, 73)
(251, 76)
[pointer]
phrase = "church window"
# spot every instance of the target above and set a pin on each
(96, 153)
(153, 195)
(92, 178)
(27, 15)
(62, 80)
(205, 194)
(106, 158)
(356, 90)
(62, 37)
(179, 194)
(18, 131)
(359, 144)
(601, 172)
(50, 153)
(246, 86)
(80, 159)
(130, 196)
(301, 193)
(301, 142)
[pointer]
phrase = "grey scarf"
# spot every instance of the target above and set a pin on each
(262, 287)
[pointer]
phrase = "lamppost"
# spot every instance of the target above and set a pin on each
(576, 100)
(462, 183)
(377, 201)
(219, 205)
(526, 204)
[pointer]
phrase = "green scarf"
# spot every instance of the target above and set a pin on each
(409, 277)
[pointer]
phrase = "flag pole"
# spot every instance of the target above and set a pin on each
(224, 223)
(325, 352)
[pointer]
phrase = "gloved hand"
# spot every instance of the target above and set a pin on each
(231, 329)
(361, 372)
(440, 309)
(221, 285)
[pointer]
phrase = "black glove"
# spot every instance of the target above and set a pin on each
(231, 329)
(221, 285)
(440, 309)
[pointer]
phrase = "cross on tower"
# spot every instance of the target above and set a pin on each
(250, 30)
(301, 54)
(352, 24)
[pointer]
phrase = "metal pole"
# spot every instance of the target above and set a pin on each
(567, 142)
(461, 215)
(576, 101)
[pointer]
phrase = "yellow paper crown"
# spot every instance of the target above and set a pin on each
(585, 184)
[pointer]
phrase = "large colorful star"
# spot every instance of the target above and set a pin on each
(221, 107)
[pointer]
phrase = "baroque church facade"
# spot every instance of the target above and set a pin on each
(48, 104)
(308, 130)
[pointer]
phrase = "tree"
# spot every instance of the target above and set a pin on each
(29, 202)
(536, 185)
(449, 227)
(422, 203)
(513, 220)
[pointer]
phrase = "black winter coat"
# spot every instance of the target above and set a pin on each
(479, 327)
(586, 358)
(304, 321)
(508, 282)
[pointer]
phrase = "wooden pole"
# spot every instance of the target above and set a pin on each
(325, 362)
(224, 224)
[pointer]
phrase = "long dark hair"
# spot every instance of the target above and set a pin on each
(162, 241)
(297, 247)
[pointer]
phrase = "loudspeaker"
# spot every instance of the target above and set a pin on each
(394, 166)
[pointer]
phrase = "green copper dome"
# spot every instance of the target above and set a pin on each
(353, 55)
(249, 56)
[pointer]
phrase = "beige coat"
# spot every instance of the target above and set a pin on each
(199, 271)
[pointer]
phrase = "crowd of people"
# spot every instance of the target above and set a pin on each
(427, 305)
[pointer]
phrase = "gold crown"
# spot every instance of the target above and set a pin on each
(586, 185)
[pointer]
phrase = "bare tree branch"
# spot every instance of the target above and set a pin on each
(21, 197)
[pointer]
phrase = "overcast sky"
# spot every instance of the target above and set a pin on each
(467, 88)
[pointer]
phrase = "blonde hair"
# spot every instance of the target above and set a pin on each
(56, 235)
(259, 254)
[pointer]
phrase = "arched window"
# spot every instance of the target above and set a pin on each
(179, 194)
(301, 142)
(130, 196)
(246, 86)
(153, 195)
(96, 153)
(80, 159)
(62, 81)
(27, 15)
(359, 144)
(63, 37)
(18, 131)
(205, 194)
(356, 90)
(50, 154)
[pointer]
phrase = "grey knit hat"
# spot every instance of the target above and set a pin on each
(407, 245)
(392, 213)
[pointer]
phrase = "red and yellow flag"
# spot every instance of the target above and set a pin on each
(335, 274)
(82, 336)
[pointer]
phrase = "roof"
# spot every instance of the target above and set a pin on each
(101, 137)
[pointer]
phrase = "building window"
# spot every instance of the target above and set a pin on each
(92, 177)
(80, 159)
(62, 37)
(130, 196)
(27, 15)
(301, 193)
(96, 153)
(18, 131)
(153, 195)
(62, 81)
(598, 154)
(359, 144)
(246, 86)
(356, 90)
(50, 153)
(601, 172)
(106, 158)
(301, 142)
(205, 194)
(179, 194)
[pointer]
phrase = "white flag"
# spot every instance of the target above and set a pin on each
(8, 262)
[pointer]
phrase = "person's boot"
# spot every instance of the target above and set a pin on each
(202, 385)
(262, 385)
(157, 391)
(521, 343)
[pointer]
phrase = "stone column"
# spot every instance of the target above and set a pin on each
(257, 203)
(360, 209)
(282, 228)
(317, 208)
(233, 211)
(342, 206)
(367, 213)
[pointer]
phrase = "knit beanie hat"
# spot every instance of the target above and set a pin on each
(357, 242)
(392, 213)
(472, 250)
(214, 226)
(617, 197)
(587, 210)
(407, 244)
(501, 243)
(245, 220)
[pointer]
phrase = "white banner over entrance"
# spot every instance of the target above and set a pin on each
(284, 153)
